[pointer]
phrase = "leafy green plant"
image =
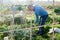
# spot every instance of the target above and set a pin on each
(50, 7)
(57, 19)
(3, 28)
(22, 34)
(57, 10)
(19, 20)
(49, 20)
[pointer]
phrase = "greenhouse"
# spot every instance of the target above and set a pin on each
(17, 22)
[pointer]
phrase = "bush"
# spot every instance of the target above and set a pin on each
(19, 7)
(57, 10)
(19, 20)
(2, 29)
(50, 7)
(57, 19)
(49, 20)
(22, 34)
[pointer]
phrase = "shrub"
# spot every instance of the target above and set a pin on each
(22, 34)
(57, 19)
(57, 10)
(50, 7)
(16, 8)
(19, 20)
(49, 20)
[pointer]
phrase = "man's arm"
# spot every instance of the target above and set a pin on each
(37, 17)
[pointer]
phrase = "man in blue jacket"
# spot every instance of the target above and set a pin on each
(39, 11)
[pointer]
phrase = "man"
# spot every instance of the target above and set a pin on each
(39, 11)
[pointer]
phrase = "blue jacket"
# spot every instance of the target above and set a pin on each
(39, 11)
